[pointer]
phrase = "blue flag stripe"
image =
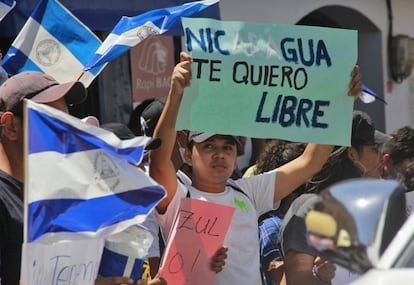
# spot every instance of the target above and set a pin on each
(30, 65)
(111, 56)
(136, 271)
(50, 134)
(163, 18)
(96, 70)
(20, 61)
(57, 14)
(49, 216)
(113, 264)
(8, 2)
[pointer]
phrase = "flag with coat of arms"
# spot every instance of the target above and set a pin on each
(81, 179)
(55, 42)
(130, 31)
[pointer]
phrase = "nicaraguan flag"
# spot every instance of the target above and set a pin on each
(82, 179)
(131, 30)
(369, 96)
(53, 41)
(5, 7)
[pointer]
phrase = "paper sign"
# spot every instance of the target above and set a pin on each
(63, 262)
(198, 232)
(269, 81)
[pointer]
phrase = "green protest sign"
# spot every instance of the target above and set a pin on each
(269, 81)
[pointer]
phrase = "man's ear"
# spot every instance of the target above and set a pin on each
(386, 158)
(9, 129)
(188, 156)
(352, 153)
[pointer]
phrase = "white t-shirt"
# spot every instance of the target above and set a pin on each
(183, 178)
(242, 263)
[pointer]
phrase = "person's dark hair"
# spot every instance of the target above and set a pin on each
(407, 178)
(151, 114)
(270, 156)
(120, 130)
(276, 153)
(401, 145)
(338, 167)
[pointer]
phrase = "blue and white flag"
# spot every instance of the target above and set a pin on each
(5, 7)
(55, 42)
(82, 179)
(132, 30)
(368, 96)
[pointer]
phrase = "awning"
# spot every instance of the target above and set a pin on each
(98, 15)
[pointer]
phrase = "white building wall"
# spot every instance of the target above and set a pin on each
(400, 97)
(401, 100)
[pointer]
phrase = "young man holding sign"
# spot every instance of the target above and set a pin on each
(212, 158)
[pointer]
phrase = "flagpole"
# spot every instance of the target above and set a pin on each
(26, 173)
(80, 75)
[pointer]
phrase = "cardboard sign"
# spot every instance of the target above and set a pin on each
(198, 232)
(62, 262)
(269, 81)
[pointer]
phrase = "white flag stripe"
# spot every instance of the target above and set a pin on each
(120, 175)
(44, 41)
(87, 77)
(366, 97)
(5, 9)
(116, 228)
(129, 38)
(129, 266)
(110, 39)
(26, 36)
(102, 134)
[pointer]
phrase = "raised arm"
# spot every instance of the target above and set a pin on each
(160, 165)
(293, 174)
